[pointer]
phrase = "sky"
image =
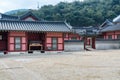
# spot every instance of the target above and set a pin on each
(8, 5)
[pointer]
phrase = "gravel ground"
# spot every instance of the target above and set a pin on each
(93, 65)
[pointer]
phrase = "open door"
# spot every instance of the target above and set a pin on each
(89, 43)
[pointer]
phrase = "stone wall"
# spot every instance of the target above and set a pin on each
(105, 45)
(73, 46)
(100, 45)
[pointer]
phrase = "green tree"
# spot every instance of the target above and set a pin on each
(87, 13)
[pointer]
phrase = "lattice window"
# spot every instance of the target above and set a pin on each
(73, 38)
(118, 36)
(109, 36)
(54, 43)
(17, 43)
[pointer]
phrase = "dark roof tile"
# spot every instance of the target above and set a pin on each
(8, 17)
(27, 14)
(114, 27)
(34, 26)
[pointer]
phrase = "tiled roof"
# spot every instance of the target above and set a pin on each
(8, 25)
(87, 31)
(114, 27)
(105, 24)
(27, 14)
(117, 19)
(8, 17)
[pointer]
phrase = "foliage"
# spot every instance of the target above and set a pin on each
(86, 13)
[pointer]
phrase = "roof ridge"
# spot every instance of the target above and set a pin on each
(9, 15)
(29, 12)
(32, 21)
(17, 25)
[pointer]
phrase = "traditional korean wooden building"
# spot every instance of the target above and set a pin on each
(88, 35)
(104, 37)
(111, 30)
(28, 32)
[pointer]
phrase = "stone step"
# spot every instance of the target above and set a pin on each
(90, 49)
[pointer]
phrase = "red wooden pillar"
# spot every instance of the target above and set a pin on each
(93, 43)
(85, 41)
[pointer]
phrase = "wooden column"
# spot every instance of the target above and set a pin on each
(85, 41)
(93, 43)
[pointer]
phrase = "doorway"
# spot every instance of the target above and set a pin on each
(89, 43)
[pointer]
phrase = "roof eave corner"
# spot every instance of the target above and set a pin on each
(69, 26)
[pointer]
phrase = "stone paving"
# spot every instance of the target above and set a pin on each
(85, 65)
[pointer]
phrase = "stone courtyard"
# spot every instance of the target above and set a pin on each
(84, 65)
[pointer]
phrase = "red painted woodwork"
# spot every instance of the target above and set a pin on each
(34, 36)
(3, 41)
(37, 37)
(117, 32)
(3, 45)
(49, 45)
(109, 33)
(17, 34)
(34, 19)
(23, 40)
(46, 39)
(68, 36)
(11, 47)
(53, 34)
(90, 42)
(60, 47)
(23, 47)
(11, 41)
(11, 44)
(85, 42)
(24, 43)
(93, 43)
(60, 41)
(114, 34)
(49, 40)
(66, 39)
(29, 19)
(104, 37)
